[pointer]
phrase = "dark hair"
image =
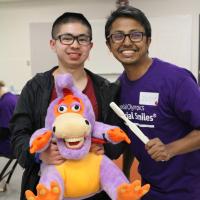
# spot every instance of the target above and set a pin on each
(130, 12)
(67, 18)
(2, 84)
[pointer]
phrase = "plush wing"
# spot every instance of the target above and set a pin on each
(40, 140)
(109, 133)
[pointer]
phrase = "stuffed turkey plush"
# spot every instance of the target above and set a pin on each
(70, 120)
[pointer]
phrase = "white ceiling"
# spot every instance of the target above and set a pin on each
(4, 1)
(14, 1)
(10, 1)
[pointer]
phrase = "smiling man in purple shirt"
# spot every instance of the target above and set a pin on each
(164, 101)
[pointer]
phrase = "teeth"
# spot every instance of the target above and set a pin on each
(74, 139)
(128, 53)
(129, 50)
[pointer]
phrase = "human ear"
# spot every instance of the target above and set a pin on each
(91, 45)
(52, 44)
(108, 45)
(148, 41)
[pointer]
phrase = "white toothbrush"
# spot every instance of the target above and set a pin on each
(130, 124)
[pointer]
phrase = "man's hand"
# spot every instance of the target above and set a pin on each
(51, 155)
(158, 150)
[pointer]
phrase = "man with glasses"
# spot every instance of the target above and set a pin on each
(72, 42)
(164, 101)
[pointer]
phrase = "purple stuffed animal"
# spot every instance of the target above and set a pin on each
(71, 122)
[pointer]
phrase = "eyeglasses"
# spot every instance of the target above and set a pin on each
(119, 37)
(68, 39)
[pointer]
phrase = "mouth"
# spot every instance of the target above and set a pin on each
(128, 52)
(74, 143)
(74, 55)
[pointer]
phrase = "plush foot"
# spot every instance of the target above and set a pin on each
(43, 193)
(40, 142)
(133, 191)
(118, 135)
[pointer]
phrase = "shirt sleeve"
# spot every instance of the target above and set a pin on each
(187, 102)
(21, 127)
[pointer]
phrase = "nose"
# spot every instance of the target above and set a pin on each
(75, 43)
(127, 40)
(71, 124)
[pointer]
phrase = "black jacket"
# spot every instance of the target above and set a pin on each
(30, 115)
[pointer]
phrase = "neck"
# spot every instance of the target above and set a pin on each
(2, 91)
(79, 75)
(137, 70)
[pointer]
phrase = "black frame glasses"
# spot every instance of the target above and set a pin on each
(119, 37)
(68, 39)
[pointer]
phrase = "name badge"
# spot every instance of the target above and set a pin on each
(149, 98)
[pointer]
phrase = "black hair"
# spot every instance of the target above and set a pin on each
(2, 84)
(67, 18)
(130, 12)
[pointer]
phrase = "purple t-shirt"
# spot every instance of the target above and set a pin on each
(165, 103)
(7, 106)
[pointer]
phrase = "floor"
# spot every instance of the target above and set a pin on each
(13, 188)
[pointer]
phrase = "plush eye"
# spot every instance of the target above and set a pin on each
(76, 107)
(62, 109)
